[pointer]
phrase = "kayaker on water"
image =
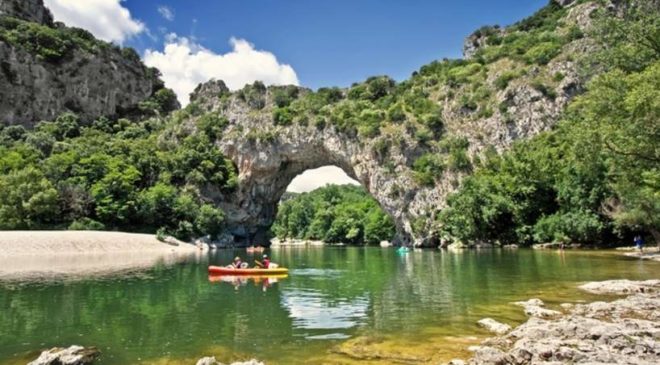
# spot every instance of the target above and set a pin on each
(237, 262)
(264, 263)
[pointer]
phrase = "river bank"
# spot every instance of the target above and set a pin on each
(35, 254)
(276, 242)
(623, 331)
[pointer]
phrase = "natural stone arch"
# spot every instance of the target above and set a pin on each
(269, 156)
(267, 166)
(270, 151)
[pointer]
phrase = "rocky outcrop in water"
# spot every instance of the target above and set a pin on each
(73, 355)
(624, 331)
(81, 74)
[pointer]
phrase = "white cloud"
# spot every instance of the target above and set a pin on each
(166, 12)
(106, 19)
(316, 178)
(184, 64)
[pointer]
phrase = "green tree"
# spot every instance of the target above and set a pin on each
(115, 194)
(27, 199)
(156, 204)
(210, 220)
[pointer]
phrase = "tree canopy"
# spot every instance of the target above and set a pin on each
(335, 214)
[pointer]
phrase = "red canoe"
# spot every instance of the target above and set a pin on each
(232, 271)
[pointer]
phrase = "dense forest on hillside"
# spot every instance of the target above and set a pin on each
(594, 178)
(110, 175)
(333, 214)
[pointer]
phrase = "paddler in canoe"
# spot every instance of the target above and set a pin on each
(265, 263)
(238, 267)
(238, 263)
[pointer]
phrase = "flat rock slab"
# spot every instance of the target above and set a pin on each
(73, 355)
(533, 308)
(621, 287)
(210, 360)
(494, 326)
(535, 302)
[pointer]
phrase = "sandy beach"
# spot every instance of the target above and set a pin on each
(47, 254)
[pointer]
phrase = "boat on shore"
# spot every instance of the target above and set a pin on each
(222, 270)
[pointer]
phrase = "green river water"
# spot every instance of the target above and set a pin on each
(339, 305)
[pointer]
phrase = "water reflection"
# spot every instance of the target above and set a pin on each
(319, 312)
(265, 281)
(320, 273)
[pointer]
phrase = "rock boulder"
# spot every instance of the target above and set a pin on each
(494, 326)
(73, 355)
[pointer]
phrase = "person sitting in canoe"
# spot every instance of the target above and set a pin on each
(265, 263)
(237, 264)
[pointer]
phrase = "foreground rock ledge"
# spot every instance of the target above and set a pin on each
(73, 355)
(624, 331)
(210, 360)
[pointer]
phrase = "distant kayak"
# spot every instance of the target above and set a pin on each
(403, 249)
(253, 249)
(231, 271)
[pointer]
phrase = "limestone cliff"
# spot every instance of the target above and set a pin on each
(29, 10)
(47, 68)
(409, 144)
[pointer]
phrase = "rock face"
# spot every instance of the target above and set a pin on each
(477, 40)
(102, 81)
(624, 331)
(268, 155)
(30, 10)
(564, 2)
(73, 355)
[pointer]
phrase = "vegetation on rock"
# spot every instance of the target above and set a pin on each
(594, 177)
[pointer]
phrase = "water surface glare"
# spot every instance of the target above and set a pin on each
(335, 302)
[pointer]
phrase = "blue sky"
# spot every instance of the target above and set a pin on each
(331, 43)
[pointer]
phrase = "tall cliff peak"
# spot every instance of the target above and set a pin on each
(47, 69)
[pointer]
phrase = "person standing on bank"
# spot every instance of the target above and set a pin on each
(639, 243)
